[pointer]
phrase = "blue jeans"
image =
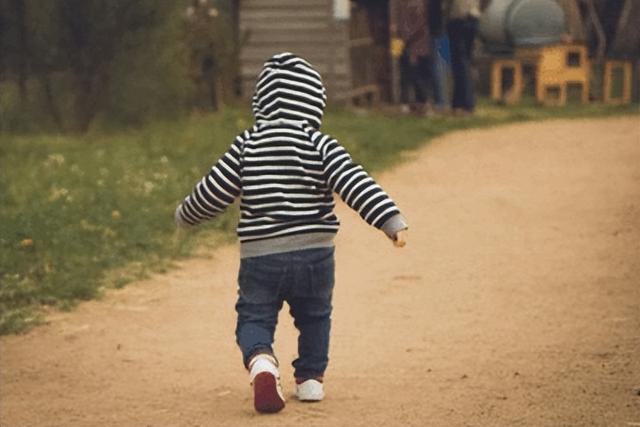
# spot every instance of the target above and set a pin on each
(439, 73)
(416, 78)
(462, 33)
(305, 280)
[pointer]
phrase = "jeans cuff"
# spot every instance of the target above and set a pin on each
(259, 350)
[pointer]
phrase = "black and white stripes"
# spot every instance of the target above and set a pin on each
(353, 184)
(284, 170)
(289, 88)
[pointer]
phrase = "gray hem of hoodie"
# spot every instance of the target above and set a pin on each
(297, 242)
(300, 242)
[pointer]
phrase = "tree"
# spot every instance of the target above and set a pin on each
(14, 43)
(92, 35)
(119, 61)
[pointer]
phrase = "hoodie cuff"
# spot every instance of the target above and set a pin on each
(393, 225)
(180, 222)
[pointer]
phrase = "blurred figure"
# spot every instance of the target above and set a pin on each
(462, 28)
(416, 60)
(205, 52)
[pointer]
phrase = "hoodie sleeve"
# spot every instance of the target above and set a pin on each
(356, 188)
(215, 191)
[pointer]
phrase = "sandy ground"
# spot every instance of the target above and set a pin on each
(515, 303)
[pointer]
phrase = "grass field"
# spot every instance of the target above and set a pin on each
(81, 213)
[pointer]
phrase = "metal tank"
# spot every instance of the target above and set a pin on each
(508, 23)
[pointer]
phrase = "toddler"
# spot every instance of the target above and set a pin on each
(285, 172)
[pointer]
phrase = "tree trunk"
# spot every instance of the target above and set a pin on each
(90, 90)
(45, 80)
(23, 49)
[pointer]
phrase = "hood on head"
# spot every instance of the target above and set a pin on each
(289, 88)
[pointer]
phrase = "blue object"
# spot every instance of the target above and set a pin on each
(440, 70)
(442, 48)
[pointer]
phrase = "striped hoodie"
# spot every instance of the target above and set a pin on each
(285, 171)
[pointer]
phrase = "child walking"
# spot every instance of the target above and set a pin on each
(285, 172)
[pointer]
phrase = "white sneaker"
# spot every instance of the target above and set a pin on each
(310, 391)
(265, 379)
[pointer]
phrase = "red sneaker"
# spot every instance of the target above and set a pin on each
(265, 378)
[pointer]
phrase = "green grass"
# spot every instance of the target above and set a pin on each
(81, 213)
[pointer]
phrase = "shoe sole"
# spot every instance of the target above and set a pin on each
(266, 398)
(310, 399)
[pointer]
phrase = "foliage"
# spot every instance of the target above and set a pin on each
(74, 208)
(66, 63)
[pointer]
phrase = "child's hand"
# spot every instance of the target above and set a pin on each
(399, 240)
(179, 235)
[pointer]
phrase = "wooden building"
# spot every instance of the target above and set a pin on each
(347, 42)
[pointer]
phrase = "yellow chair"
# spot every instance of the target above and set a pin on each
(556, 68)
(497, 71)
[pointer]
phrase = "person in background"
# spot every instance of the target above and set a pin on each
(462, 28)
(416, 58)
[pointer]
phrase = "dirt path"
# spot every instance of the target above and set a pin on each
(515, 303)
